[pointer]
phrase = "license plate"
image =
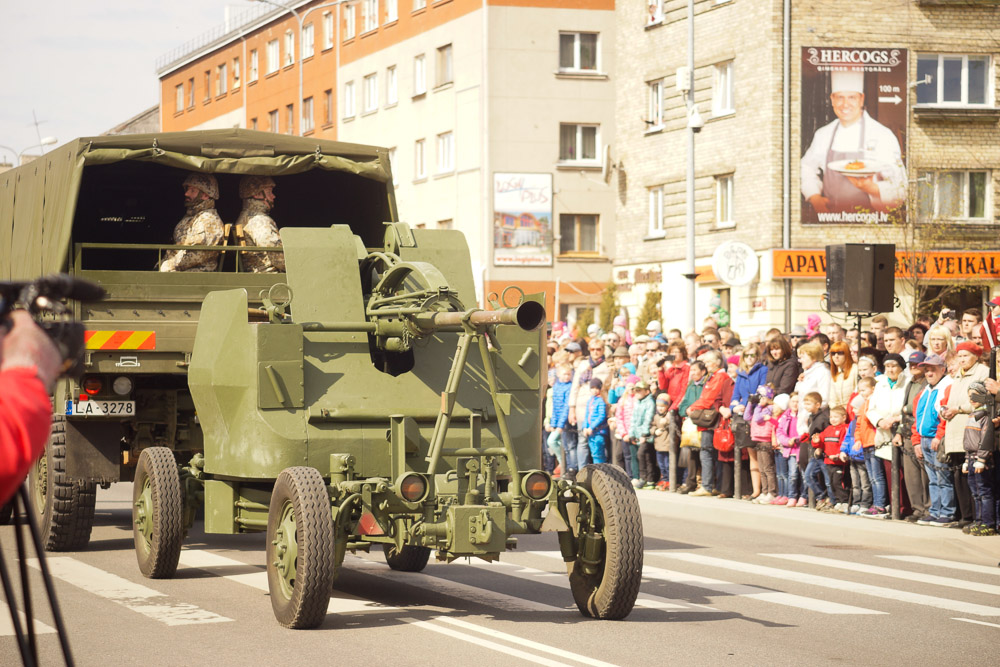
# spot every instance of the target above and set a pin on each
(100, 408)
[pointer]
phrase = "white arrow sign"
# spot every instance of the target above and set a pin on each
(895, 99)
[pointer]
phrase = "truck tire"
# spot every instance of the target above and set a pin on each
(157, 513)
(301, 560)
(410, 559)
(64, 506)
(611, 593)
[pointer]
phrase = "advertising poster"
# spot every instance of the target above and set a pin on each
(854, 111)
(522, 219)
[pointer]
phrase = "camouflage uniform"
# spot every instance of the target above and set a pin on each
(259, 228)
(200, 226)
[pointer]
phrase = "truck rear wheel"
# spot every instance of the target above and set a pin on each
(409, 559)
(64, 506)
(157, 513)
(611, 592)
(301, 561)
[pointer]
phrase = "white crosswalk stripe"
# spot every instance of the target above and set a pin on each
(743, 590)
(971, 568)
(7, 627)
(836, 584)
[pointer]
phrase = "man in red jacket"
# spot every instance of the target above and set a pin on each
(29, 366)
(717, 393)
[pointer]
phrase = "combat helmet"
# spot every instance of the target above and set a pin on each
(252, 186)
(204, 182)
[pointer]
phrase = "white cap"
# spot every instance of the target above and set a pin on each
(847, 82)
(781, 401)
(654, 325)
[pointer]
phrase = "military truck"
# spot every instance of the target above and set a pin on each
(359, 399)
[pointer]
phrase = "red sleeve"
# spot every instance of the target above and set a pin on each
(711, 394)
(25, 419)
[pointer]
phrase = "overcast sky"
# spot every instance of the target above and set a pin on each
(85, 66)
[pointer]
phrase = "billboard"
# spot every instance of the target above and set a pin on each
(854, 111)
(522, 219)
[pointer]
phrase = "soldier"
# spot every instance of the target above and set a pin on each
(256, 227)
(200, 226)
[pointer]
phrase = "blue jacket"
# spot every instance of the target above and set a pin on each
(560, 404)
(597, 415)
(926, 417)
(850, 446)
(747, 383)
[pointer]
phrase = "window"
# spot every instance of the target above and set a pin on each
(655, 14)
(419, 76)
(578, 51)
(180, 97)
(577, 234)
(419, 160)
(307, 114)
(419, 4)
(445, 72)
(289, 48)
(369, 15)
(391, 154)
(272, 119)
(191, 92)
(724, 201)
(954, 194)
(391, 87)
(290, 118)
(327, 30)
(954, 80)
(656, 211)
(236, 72)
(328, 106)
(349, 99)
(446, 224)
(253, 65)
(220, 79)
(654, 115)
(253, 123)
(208, 85)
(371, 93)
(273, 57)
(722, 89)
(391, 10)
(308, 47)
(577, 143)
(445, 152)
(350, 22)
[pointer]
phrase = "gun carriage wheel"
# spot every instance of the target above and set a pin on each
(606, 588)
(409, 559)
(301, 561)
(157, 513)
(64, 507)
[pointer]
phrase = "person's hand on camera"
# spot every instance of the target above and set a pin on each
(27, 345)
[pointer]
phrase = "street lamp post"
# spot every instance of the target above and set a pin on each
(301, 20)
(46, 141)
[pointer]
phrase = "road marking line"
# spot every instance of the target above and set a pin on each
(972, 620)
(743, 590)
(951, 564)
(450, 588)
(836, 584)
(7, 628)
(514, 639)
(130, 595)
(562, 581)
(255, 577)
(889, 572)
(485, 643)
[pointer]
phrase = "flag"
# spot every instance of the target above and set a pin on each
(988, 331)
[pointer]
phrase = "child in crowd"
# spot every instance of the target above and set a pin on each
(560, 412)
(980, 462)
(780, 406)
(852, 453)
(661, 440)
(595, 425)
(622, 421)
(639, 433)
(787, 435)
(831, 439)
(864, 433)
(811, 449)
(761, 430)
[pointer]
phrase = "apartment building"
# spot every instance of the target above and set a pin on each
(924, 74)
(496, 115)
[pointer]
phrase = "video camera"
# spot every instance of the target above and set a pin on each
(44, 299)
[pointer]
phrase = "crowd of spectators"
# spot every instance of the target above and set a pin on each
(813, 411)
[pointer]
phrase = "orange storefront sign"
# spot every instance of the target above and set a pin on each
(943, 265)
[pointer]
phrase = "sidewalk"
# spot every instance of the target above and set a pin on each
(947, 543)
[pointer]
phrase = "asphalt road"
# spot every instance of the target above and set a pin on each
(725, 582)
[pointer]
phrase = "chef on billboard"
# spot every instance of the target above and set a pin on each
(854, 163)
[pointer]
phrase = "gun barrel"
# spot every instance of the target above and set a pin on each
(529, 316)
